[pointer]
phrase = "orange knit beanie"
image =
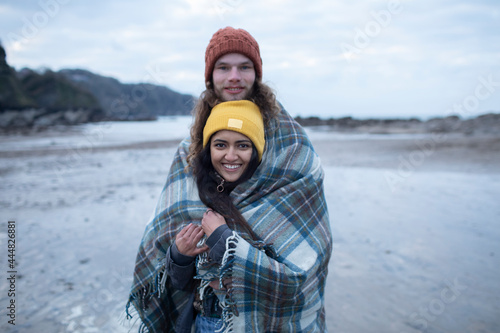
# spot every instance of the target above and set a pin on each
(230, 40)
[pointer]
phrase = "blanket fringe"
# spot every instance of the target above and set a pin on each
(125, 318)
(142, 328)
(143, 295)
(229, 308)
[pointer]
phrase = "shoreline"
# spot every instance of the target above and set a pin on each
(426, 151)
(409, 212)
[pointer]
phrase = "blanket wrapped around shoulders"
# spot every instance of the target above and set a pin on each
(270, 291)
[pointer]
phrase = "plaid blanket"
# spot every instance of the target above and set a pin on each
(277, 282)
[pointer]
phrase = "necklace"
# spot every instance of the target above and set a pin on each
(220, 187)
(218, 179)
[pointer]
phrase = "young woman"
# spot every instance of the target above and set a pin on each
(233, 145)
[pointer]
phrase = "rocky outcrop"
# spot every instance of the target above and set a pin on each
(52, 91)
(33, 99)
(41, 118)
(122, 101)
(484, 124)
(30, 99)
(12, 94)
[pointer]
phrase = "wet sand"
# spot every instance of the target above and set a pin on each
(415, 220)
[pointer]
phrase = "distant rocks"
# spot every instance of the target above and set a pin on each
(121, 101)
(29, 99)
(484, 124)
(32, 99)
(12, 93)
(41, 118)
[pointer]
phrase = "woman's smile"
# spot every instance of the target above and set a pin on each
(231, 166)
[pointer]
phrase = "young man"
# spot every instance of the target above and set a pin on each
(232, 64)
(233, 71)
(271, 279)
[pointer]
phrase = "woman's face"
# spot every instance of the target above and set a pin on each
(230, 153)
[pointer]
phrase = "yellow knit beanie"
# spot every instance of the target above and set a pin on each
(239, 116)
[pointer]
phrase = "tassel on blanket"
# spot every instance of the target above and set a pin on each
(268, 249)
(163, 282)
(145, 294)
(229, 308)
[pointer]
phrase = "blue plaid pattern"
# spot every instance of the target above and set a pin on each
(278, 288)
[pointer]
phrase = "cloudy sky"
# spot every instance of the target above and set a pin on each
(374, 58)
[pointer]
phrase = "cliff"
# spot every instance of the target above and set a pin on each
(122, 101)
(34, 99)
(12, 94)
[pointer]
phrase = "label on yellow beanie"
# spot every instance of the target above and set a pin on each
(235, 123)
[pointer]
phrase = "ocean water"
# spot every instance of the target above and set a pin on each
(102, 134)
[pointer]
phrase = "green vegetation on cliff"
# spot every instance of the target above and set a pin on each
(29, 97)
(12, 94)
(54, 92)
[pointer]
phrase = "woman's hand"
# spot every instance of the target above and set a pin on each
(188, 238)
(227, 283)
(211, 221)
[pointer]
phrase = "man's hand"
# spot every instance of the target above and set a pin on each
(187, 239)
(211, 221)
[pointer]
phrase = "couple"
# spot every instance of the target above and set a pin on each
(240, 240)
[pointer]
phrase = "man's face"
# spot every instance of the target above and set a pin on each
(233, 77)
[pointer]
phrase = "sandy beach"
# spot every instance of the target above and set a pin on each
(415, 221)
